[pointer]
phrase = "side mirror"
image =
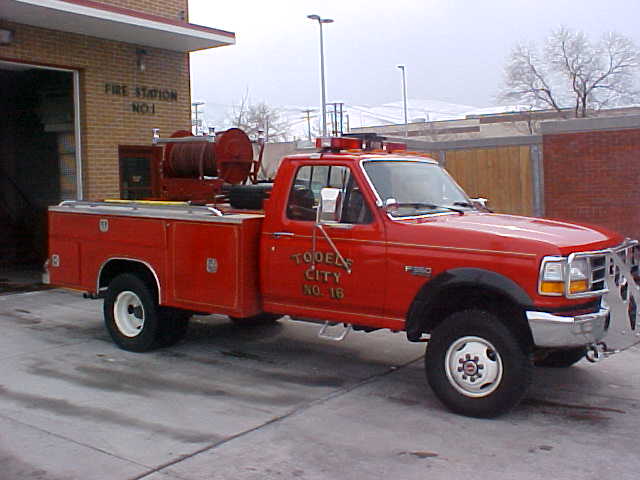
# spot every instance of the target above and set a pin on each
(330, 205)
(390, 204)
(480, 203)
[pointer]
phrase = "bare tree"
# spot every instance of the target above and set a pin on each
(238, 112)
(572, 72)
(260, 117)
(528, 80)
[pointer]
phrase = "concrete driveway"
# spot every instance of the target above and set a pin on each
(276, 402)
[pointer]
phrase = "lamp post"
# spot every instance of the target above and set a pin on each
(324, 99)
(404, 99)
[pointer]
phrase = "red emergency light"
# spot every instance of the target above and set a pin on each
(338, 143)
(391, 147)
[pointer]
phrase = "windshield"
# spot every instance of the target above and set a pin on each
(418, 187)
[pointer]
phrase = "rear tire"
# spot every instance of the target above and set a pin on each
(476, 366)
(131, 313)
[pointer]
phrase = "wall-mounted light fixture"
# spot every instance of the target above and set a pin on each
(141, 53)
(6, 36)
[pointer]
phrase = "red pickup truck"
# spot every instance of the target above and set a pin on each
(370, 240)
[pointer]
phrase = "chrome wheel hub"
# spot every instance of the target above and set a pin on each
(473, 366)
(128, 314)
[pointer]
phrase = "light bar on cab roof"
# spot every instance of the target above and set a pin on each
(395, 147)
(338, 143)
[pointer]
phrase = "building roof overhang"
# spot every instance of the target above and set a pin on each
(96, 19)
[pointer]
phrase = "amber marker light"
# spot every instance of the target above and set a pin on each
(552, 276)
(578, 286)
(552, 288)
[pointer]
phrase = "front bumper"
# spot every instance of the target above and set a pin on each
(616, 327)
(551, 330)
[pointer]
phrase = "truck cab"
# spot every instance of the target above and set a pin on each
(406, 249)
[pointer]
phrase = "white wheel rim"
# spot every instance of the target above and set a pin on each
(473, 366)
(128, 314)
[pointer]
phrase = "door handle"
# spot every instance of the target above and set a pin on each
(282, 234)
(339, 226)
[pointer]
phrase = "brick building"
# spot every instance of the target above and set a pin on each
(82, 84)
(591, 171)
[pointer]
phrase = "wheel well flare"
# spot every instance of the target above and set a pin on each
(442, 297)
(116, 266)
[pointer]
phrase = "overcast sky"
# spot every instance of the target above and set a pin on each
(454, 51)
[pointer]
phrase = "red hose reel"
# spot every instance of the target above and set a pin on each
(194, 168)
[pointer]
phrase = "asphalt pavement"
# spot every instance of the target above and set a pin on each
(277, 402)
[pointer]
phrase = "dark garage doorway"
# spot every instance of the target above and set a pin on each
(37, 160)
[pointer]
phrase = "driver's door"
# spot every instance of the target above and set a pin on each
(317, 278)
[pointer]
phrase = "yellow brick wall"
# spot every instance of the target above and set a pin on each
(165, 8)
(107, 119)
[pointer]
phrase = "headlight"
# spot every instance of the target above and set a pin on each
(552, 276)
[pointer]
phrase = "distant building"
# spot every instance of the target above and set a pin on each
(484, 123)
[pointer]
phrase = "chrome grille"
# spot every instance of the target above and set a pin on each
(628, 253)
(598, 269)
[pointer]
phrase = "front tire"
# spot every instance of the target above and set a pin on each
(476, 366)
(131, 313)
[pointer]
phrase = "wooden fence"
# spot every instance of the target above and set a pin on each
(501, 174)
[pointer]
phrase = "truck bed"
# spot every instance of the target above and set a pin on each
(204, 261)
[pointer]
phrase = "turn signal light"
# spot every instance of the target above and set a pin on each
(576, 286)
(552, 287)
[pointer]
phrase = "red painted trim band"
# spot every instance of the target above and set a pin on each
(148, 16)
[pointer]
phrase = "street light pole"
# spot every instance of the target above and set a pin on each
(324, 99)
(404, 99)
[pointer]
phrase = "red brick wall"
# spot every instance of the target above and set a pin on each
(164, 8)
(594, 177)
(107, 119)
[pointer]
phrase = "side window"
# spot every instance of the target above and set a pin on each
(355, 209)
(304, 196)
(305, 192)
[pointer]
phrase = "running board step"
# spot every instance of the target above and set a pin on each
(335, 338)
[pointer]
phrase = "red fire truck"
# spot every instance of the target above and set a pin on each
(364, 235)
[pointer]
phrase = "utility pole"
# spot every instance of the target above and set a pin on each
(334, 116)
(308, 112)
(195, 105)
